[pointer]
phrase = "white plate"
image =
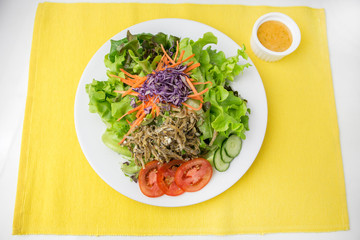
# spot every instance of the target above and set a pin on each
(106, 163)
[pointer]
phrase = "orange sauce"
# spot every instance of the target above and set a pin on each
(275, 36)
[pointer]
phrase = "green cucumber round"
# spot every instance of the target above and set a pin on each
(232, 146)
(219, 164)
(226, 158)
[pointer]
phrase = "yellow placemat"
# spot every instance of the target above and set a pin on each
(296, 184)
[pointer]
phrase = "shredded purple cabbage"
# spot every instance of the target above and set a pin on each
(148, 110)
(133, 102)
(168, 86)
(171, 53)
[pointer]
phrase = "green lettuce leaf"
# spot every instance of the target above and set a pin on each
(139, 53)
(208, 38)
(204, 125)
(108, 104)
(214, 66)
(227, 112)
(144, 65)
(111, 139)
(116, 47)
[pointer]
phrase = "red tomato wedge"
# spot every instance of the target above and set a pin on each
(148, 179)
(166, 178)
(193, 175)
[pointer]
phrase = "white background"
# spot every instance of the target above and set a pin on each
(343, 28)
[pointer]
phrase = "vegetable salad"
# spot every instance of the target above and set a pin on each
(157, 81)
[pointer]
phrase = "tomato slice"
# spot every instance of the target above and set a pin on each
(166, 178)
(193, 175)
(148, 179)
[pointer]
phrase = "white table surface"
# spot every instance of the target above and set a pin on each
(343, 28)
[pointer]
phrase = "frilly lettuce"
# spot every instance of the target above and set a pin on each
(110, 107)
(215, 67)
(138, 54)
(227, 113)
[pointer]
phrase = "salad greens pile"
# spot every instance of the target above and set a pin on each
(224, 113)
(227, 113)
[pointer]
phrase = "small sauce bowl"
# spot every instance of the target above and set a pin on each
(266, 54)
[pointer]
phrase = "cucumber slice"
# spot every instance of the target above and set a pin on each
(232, 146)
(224, 155)
(218, 162)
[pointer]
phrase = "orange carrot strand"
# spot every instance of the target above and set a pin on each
(129, 112)
(192, 67)
(140, 111)
(177, 50)
(127, 81)
(181, 56)
(198, 83)
(136, 123)
(191, 85)
(131, 93)
(189, 57)
(161, 63)
(165, 53)
(198, 94)
(137, 84)
(196, 98)
(128, 74)
(191, 107)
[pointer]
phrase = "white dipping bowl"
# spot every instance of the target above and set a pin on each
(266, 54)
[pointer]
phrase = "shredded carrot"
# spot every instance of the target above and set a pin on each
(128, 74)
(129, 112)
(191, 85)
(136, 123)
(127, 134)
(193, 89)
(165, 53)
(169, 66)
(181, 56)
(192, 67)
(198, 83)
(177, 50)
(190, 63)
(145, 105)
(161, 63)
(137, 84)
(191, 107)
(139, 112)
(157, 109)
(179, 61)
(129, 82)
(189, 57)
(153, 112)
(197, 94)
(131, 93)
(197, 98)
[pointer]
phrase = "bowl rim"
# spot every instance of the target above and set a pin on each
(287, 21)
